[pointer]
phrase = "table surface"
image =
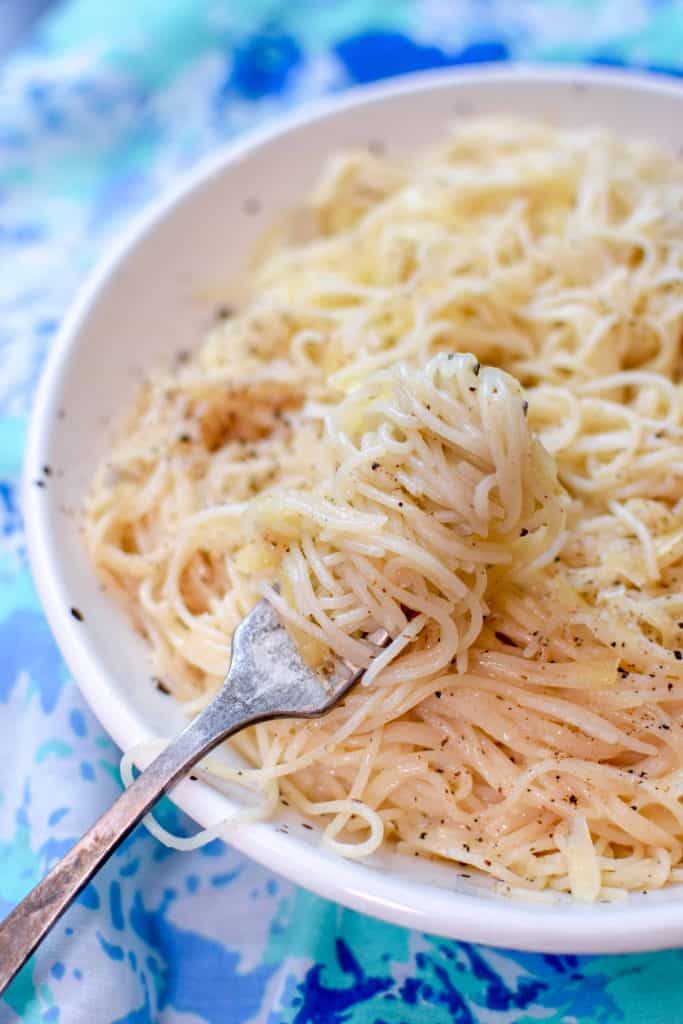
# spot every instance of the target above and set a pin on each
(17, 19)
(99, 110)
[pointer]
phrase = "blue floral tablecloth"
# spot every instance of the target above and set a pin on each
(107, 103)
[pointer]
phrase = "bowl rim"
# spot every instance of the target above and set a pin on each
(509, 923)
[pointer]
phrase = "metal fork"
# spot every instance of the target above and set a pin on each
(267, 679)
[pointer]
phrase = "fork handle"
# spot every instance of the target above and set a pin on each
(32, 919)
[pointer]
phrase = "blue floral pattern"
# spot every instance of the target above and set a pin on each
(98, 113)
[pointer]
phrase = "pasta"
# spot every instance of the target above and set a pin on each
(451, 408)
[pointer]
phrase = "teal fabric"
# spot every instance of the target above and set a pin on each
(106, 105)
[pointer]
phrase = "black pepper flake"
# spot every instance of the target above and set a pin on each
(669, 687)
(47, 470)
(161, 685)
(193, 778)
(525, 407)
(304, 825)
(523, 532)
(504, 639)
(472, 388)
(184, 439)
(375, 465)
(77, 614)
(476, 368)
(678, 655)
(423, 835)
(665, 726)
(183, 355)
(573, 800)
(224, 312)
(437, 694)
(39, 483)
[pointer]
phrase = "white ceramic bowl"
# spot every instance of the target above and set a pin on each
(144, 303)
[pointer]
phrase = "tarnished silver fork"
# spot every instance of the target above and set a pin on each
(267, 679)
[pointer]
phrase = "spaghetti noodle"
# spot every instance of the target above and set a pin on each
(452, 409)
